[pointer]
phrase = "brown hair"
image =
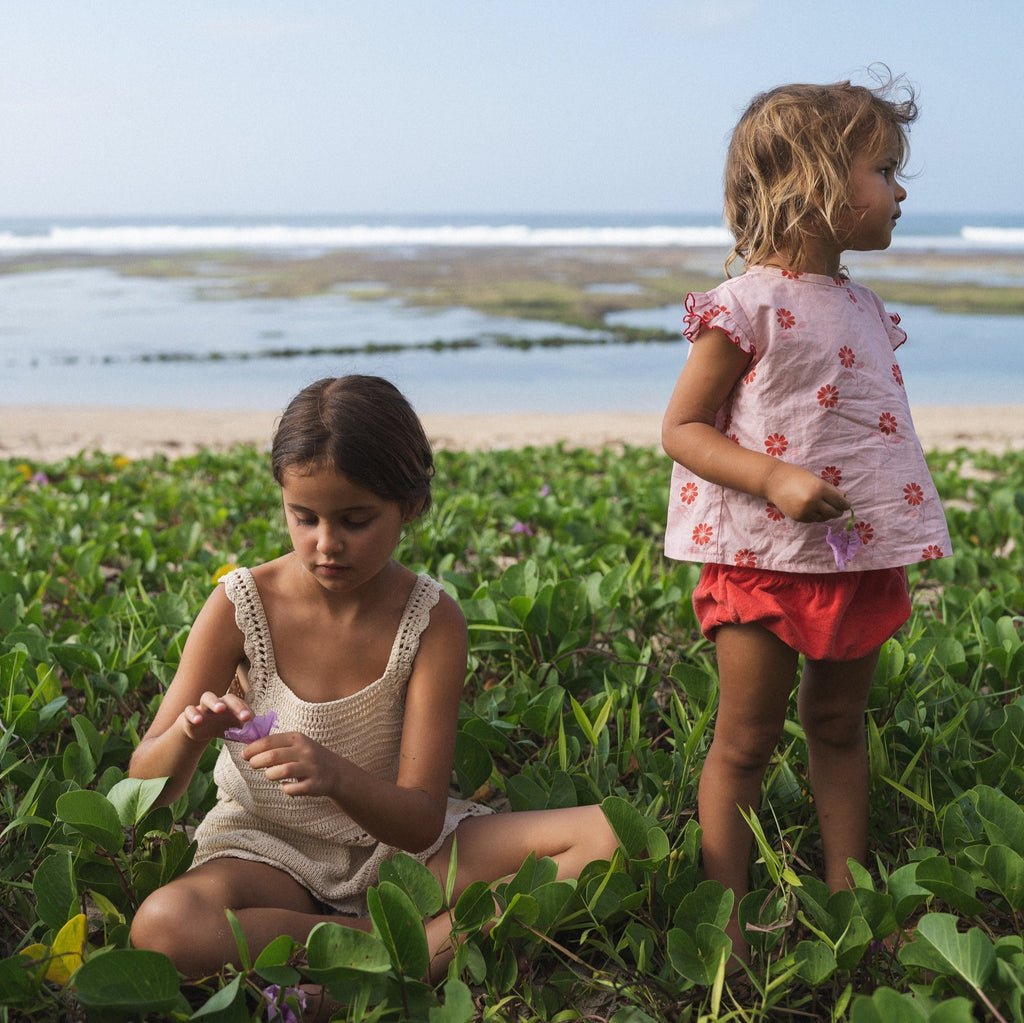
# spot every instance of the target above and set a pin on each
(361, 426)
(788, 168)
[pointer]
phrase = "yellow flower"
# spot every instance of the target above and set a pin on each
(223, 571)
(66, 954)
(25, 470)
(122, 461)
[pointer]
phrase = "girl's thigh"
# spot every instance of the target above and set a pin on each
(239, 884)
(492, 847)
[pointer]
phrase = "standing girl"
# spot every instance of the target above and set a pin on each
(362, 662)
(790, 413)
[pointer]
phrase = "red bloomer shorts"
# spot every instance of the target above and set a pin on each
(834, 616)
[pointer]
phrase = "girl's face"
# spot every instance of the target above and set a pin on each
(343, 535)
(874, 200)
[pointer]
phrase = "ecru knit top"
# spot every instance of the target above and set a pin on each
(310, 837)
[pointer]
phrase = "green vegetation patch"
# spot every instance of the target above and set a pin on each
(588, 683)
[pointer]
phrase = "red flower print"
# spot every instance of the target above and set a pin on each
(688, 493)
(786, 318)
(895, 317)
(711, 312)
(866, 532)
(734, 438)
(887, 423)
(746, 558)
(749, 378)
(913, 494)
(931, 553)
(846, 356)
(702, 534)
(832, 474)
(775, 444)
(828, 396)
(793, 275)
(852, 297)
(897, 374)
(773, 512)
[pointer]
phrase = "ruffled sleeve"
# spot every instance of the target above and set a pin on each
(712, 309)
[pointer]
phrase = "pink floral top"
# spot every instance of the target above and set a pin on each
(823, 391)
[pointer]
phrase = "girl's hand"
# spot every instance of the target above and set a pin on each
(302, 766)
(802, 496)
(213, 716)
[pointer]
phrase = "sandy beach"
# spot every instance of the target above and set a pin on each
(49, 433)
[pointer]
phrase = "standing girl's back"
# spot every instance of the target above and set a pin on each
(799, 481)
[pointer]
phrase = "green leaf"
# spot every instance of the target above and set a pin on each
(888, 1006)
(628, 823)
(226, 998)
(474, 907)
(272, 963)
(125, 979)
(458, 1005)
(416, 880)
(56, 890)
(332, 947)
(698, 956)
(133, 798)
(815, 962)
(92, 815)
(400, 927)
(950, 883)
(939, 946)
(1003, 819)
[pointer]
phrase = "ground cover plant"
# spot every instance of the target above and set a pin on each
(588, 683)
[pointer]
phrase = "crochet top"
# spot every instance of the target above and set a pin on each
(310, 837)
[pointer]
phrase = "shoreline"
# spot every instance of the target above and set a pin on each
(42, 433)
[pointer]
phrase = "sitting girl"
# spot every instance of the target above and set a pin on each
(362, 662)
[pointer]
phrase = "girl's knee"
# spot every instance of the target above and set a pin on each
(834, 730)
(168, 920)
(598, 839)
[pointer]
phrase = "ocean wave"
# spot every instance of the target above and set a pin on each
(130, 238)
(284, 237)
(994, 237)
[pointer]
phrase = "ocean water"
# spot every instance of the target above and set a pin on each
(88, 336)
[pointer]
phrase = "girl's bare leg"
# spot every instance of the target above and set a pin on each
(756, 675)
(494, 847)
(186, 921)
(833, 699)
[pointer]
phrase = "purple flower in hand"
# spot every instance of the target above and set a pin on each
(259, 727)
(845, 541)
(278, 1008)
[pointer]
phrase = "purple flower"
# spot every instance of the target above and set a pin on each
(845, 541)
(278, 1008)
(259, 727)
(522, 527)
(544, 491)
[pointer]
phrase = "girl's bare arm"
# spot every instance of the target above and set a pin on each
(689, 437)
(196, 707)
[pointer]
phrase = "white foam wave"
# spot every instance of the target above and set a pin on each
(994, 237)
(279, 236)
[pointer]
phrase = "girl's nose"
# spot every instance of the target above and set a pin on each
(328, 539)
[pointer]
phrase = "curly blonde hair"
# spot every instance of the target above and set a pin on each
(788, 168)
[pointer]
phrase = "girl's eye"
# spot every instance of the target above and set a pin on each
(305, 522)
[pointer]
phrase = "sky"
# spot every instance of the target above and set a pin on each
(222, 107)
